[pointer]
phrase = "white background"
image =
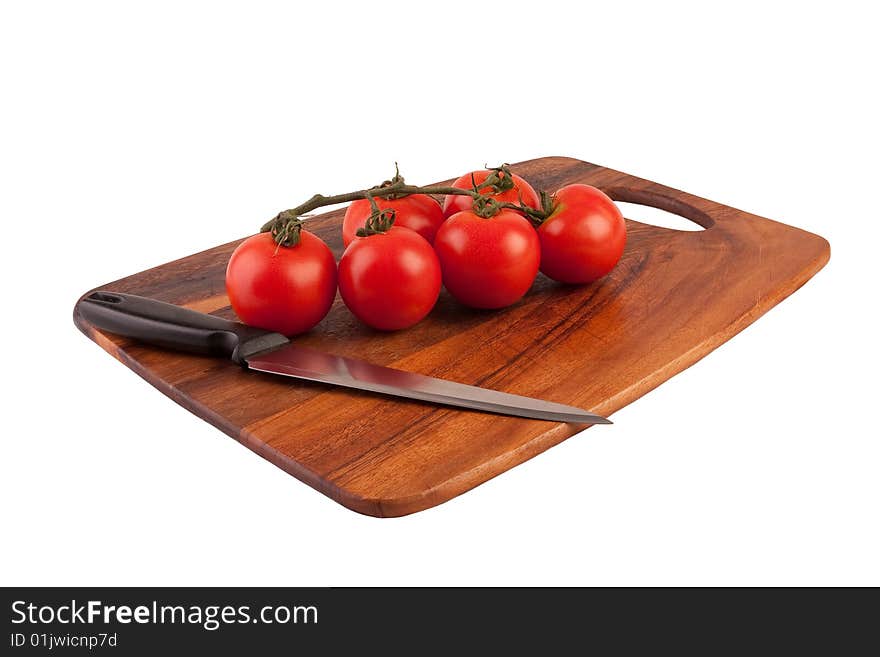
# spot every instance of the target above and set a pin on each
(137, 134)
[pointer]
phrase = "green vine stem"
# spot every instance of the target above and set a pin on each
(285, 227)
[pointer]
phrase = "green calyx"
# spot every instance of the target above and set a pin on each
(486, 207)
(285, 228)
(499, 181)
(379, 221)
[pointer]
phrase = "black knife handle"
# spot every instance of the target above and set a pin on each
(166, 325)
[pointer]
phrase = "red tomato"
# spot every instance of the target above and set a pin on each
(390, 280)
(287, 289)
(488, 263)
(453, 203)
(418, 212)
(583, 238)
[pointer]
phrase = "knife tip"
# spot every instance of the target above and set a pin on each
(588, 418)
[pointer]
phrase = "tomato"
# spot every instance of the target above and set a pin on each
(287, 289)
(453, 203)
(418, 212)
(488, 263)
(584, 236)
(390, 280)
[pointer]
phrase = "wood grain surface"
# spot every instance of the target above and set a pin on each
(674, 297)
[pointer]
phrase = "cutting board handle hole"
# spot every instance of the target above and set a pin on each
(658, 210)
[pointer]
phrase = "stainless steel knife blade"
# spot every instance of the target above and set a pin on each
(303, 363)
(166, 325)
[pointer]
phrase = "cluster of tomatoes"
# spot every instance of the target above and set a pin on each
(399, 250)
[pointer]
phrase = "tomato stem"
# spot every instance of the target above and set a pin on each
(538, 217)
(286, 225)
(286, 229)
(486, 206)
(374, 207)
(501, 179)
(379, 221)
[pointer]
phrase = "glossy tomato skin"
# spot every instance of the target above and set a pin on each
(390, 280)
(583, 238)
(453, 203)
(280, 288)
(418, 212)
(488, 263)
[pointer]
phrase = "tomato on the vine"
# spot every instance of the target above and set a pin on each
(287, 289)
(520, 190)
(418, 212)
(488, 262)
(584, 236)
(391, 279)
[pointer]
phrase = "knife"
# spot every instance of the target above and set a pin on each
(166, 325)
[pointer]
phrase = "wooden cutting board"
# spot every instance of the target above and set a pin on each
(674, 297)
